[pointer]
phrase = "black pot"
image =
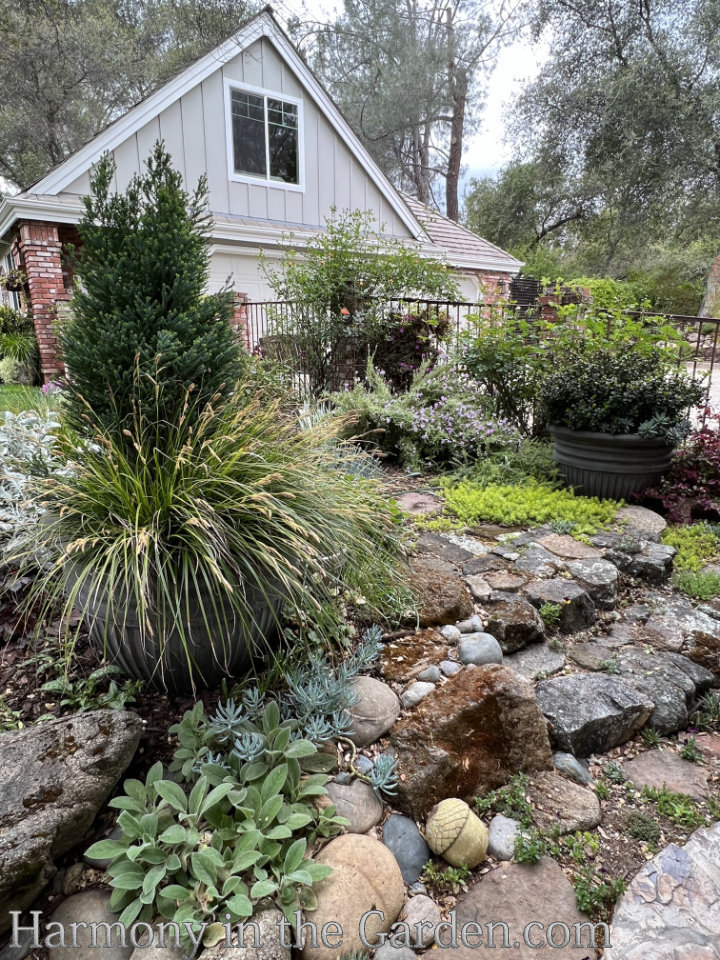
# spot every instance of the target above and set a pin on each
(216, 643)
(609, 465)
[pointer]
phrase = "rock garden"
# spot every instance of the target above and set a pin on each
(370, 676)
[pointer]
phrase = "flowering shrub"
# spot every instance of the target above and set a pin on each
(441, 420)
(691, 491)
(401, 343)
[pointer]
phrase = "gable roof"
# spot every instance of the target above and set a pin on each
(463, 247)
(263, 25)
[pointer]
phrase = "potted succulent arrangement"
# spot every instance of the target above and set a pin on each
(616, 414)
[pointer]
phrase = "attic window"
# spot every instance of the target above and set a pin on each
(265, 136)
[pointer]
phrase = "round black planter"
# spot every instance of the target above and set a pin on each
(216, 643)
(609, 465)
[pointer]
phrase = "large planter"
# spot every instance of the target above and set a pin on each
(217, 644)
(609, 465)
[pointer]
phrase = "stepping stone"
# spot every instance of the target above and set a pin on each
(710, 745)
(566, 547)
(561, 804)
(578, 610)
(664, 768)
(501, 580)
(592, 713)
(518, 894)
(437, 545)
(514, 622)
(671, 910)
(538, 660)
(640, 520)
(590, 655)
(599, 579)
(419, 504)
(485, 564)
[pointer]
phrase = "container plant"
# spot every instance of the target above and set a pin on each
(616, 414)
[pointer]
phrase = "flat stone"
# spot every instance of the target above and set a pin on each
(591, 654)
(518, 894)
(419, 504)
(502, 833)
(479, 587)
(477, 730)
(365, 876)
(537, 661)
(592, 713)
(670, 910)
(578, 610)
(415, 693)
(619, 635)
(482, 565)
(641, 520)
(566, 547)
(676, 625)
(514, 622)
(268, 946)
(403, 838)
(479, 648)
(443, 595)
(357, 803)
(56, 777)
(374, 712)
(450, 667)
(430, 675)
(561, 804)
(510, 582)
(664, 768)
(599, 579)
(91, 906)
(570, 766)
(422, 915)
(709, 744)
(443, 547)
(403, 659)
(539, 562)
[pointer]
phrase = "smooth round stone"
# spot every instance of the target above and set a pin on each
(415, 693)
(388, 951)
(422, 915)
(363, 765)
(472, 625)
(576, 769)
(403, 839)
(374, 712)
(450, 667)
(430, 675)
(479, 649)
(88, 907)
(450, 633)
(357, 803)
(501, 837)
(417, 888)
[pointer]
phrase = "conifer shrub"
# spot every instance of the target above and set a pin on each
(140, 305)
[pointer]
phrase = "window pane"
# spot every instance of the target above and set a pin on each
(283, 141)
(248, 127)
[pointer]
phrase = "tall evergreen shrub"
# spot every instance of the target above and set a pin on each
(140, 314)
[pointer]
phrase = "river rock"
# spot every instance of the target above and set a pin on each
(443, 595)
(430, 674)
(519, 894)
(450, 633)
(562, 805)
(479, 648)
(450, 667)
(664, 768)
(513, 622)
(356, 802)
(472, 625)
(599, 579)
(365, 877)
(56, 777)
(402, 837)
(422, 915)
(92, 906)
(502, 834)
(415, 693)
(578, 610)
(670, 910)
(268, 946)
(570, 766)
(536, 662)
(477, 730)
(592, 713)
(374, 712)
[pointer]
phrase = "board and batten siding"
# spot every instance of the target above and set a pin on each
(194, 131)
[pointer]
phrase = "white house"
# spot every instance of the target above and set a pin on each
(278, 156)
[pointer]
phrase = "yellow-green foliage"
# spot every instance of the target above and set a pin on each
(696, 545)
(528, 504)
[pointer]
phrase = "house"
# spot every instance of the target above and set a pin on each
(278, 156)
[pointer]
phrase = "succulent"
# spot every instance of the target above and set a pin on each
(384, 776)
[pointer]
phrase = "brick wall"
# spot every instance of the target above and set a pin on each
(240, 319)
(39, 251)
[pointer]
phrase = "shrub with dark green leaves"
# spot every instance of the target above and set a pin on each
(619, 391)
(140, 305)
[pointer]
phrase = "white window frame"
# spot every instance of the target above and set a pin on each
(230, 86)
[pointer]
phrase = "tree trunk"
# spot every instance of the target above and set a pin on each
(711, 299)
(459, 96)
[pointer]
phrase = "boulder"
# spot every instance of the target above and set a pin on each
(403, 659)
(92, 906)
(479, 648)
(365, 877)
(599, 579)
(477, 730)
(670, 910)
(523, 896)
(578, 610)
(536, 662)
(443, 595)
(562, 805)
(374, 712)
(592, 713)
(665, 768)
(356, 802)
(445, 547)
(56, 777)
(403, 839)
(513, 622)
